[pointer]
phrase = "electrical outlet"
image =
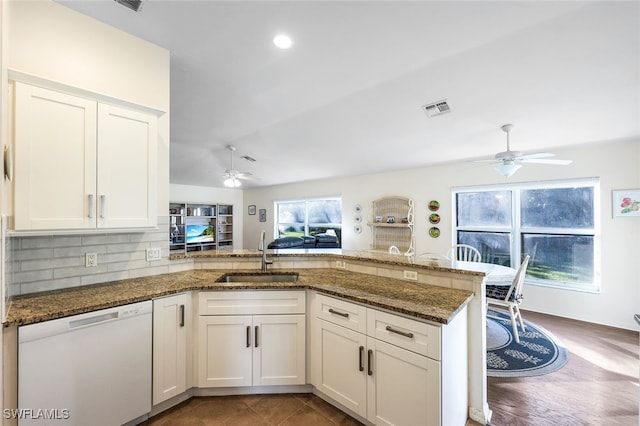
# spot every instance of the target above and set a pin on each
(153, 253)
(410, 275)
(90, 260)
(341, 264)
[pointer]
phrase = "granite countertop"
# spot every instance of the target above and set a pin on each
(433, 303)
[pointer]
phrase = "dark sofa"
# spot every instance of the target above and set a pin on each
(306, 242)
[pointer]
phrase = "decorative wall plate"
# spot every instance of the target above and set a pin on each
(434, 218)
(434, 205)
(357, 229)
(357, 218)
(434, 232)
(357, 208)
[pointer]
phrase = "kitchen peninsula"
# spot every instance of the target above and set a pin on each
(433, 294)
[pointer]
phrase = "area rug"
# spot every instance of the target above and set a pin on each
(538, 352)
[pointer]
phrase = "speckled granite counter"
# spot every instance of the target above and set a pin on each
(427, 302)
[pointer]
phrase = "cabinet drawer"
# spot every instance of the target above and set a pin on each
(251, 302)
(412, 335)
(346, 314)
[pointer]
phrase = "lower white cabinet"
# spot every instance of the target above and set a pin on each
(392, 371)
(171, 346)
(251, 350)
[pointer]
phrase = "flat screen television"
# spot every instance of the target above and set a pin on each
(199, 234)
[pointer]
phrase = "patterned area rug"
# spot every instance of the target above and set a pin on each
(537, 353)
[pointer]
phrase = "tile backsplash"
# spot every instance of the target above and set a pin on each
(55, 262)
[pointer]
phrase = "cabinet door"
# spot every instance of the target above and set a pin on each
(403, 388)
(169, 347)
(55, 160)
(279, 350)
(127, 168)
(342, 374)
(225, 351)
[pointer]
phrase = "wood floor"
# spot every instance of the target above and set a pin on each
(597, 386)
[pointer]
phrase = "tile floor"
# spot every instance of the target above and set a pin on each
(254, 410)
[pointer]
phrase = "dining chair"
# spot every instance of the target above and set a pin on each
(509, 297)
(464, 252)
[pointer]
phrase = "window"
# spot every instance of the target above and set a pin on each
(309, 217)
(556, 223)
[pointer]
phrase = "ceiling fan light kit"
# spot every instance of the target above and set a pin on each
(233, 176)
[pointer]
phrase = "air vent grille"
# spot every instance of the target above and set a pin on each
(250, 159)
(436, 108)
(131, 4)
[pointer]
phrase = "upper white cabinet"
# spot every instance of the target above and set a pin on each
(81, 164)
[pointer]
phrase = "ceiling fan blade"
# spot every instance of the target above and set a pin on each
(543, 161)
(244, 175)
(488, 160)
(537, 155)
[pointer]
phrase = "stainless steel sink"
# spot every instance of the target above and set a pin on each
(245, 277)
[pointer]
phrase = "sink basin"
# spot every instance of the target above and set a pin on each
(258, 278)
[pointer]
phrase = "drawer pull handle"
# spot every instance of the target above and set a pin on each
(248, 336)
(181, 315)
(361, 365)
(400, 332)
(342, 314)
(370, 362)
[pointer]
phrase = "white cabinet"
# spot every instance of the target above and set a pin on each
(391, 371)
(251, 338)
(171, 346)
(81, 164)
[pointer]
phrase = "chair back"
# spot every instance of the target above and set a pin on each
(515, 291)
(464, 252)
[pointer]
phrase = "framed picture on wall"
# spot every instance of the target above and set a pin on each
(252, 210)
(626, 203)
(263, 215)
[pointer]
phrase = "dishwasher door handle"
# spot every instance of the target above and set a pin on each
(93, 320)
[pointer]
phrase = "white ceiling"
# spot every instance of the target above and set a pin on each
(345, 99)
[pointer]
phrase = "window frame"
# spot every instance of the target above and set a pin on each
(516, 230)
(306, 223)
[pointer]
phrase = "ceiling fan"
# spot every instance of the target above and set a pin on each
(510, 161)
(233, 176)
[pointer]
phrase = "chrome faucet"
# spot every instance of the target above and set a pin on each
(262, 247)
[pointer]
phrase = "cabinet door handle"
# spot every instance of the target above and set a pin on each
(91, 206)
(342, 314)
(103, 205)
(400, 332)
(255, 336)
(181, 315)
(248, 336)
(370, 362)
(361, 365)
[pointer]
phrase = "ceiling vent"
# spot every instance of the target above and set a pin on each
(131, 4)
(436, 108)
(250, 159)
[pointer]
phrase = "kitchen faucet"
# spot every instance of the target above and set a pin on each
(263, 248)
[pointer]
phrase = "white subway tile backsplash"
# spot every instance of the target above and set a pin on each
(46, 263)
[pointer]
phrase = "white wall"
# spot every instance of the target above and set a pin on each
(616, 163)
(203, 194)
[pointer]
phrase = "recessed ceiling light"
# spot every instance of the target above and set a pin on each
(283, 41)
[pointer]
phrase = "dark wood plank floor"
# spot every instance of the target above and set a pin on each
(597, 386)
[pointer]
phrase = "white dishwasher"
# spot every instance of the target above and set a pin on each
(88, 369)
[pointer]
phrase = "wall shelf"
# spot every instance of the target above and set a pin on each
(400, 232)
